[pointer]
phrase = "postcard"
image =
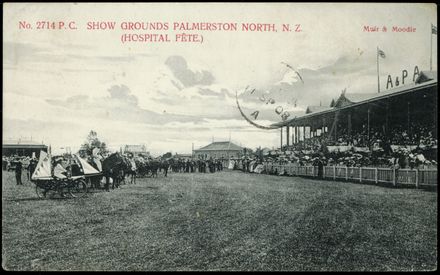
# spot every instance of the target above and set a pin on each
(219, 137)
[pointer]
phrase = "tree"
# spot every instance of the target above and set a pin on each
(167, 155)
(93, 142)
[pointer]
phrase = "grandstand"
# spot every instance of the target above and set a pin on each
(362, 118)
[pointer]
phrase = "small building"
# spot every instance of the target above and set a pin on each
(219, 150)
(136, 150)
(22, 148)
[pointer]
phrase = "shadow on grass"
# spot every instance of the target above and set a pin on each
(93, 191)
(398, 186)
(24, 199)
(41, 199)
(152, 187)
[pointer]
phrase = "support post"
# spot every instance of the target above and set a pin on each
(368, 122)
(375, 175)
(387, 116)
(349, 123)
(409, 118)
(304, 133)
(281, 144)
(295, 132)
(417, 178)
(293, 135)
(394, 177)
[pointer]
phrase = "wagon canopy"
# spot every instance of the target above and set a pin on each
(87, 168)
(43, 170)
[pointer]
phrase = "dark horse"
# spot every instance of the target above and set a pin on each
(157, 165)
(153, 166)
(114, 166)
(164, 165)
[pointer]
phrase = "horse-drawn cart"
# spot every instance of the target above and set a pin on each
(48, 183)
(72, 186)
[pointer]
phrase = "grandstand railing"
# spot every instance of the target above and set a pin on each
(415, 177)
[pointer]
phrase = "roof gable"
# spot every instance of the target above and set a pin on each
(426, 76)
(314, 109)
(219, 146)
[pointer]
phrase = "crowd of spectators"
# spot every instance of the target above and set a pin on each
(18, 164)
(417, 134)
(400, 148)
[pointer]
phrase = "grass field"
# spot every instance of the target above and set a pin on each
(222, 221)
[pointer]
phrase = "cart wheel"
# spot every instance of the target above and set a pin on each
(78, 188)
(41, 192)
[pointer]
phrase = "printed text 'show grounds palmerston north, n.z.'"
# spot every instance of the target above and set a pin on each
(219, 137)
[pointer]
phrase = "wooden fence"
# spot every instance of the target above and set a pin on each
(415, 177)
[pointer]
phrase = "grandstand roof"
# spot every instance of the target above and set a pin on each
(182, 155)
(425, 80)
(355, 97)
(314, 109)
(20, 143)
(221, 146)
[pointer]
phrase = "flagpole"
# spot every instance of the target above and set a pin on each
(430, 58)
(377, 62)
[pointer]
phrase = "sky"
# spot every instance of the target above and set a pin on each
(60, 84)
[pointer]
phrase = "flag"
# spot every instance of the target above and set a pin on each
(380, 53)
(433, 29)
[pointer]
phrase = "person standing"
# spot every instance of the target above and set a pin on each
(4, 163)
(320, 165)
(31, 167)
(18, 169)
(191, 166)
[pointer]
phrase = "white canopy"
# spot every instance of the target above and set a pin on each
(44, 167)
(87, 168)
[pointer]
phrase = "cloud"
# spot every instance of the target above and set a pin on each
(352, 71)
(122, 93)
(289, 78)
(29, 53)
(120, 58)
(120, 105)
(15, 53)
(209, 92)
(185, 75)
(76, 102)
